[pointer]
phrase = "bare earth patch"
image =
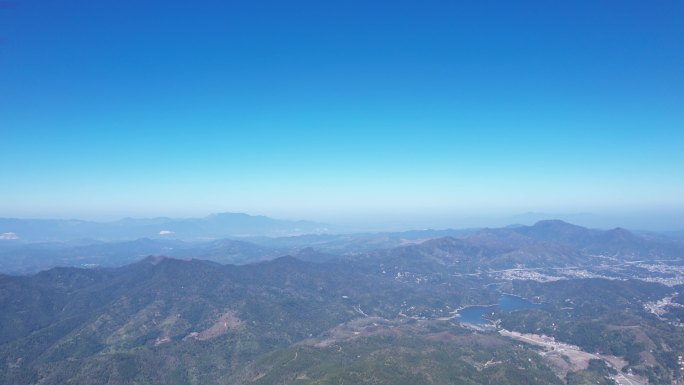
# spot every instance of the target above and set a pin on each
(228, 321)
(565, 357)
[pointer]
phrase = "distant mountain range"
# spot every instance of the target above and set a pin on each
(19, 257)
(548, 243)
(214, 226)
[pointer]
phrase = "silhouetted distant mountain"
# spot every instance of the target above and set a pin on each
(617, 242)
(549, 243)
(555, 231)
(211, 227)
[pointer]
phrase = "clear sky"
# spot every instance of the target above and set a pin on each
(330, 110)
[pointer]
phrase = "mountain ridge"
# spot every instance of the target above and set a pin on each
(546, 243)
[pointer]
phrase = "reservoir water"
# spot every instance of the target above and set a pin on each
(476, 314)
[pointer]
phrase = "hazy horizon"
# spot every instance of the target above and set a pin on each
(657, 222)
(435, 114)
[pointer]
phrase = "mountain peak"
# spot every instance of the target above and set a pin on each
(554, 230)
(555, 223)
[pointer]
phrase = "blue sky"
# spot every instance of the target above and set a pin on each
(339, 110)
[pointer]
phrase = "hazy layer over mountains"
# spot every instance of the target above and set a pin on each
(35, 245)
(210, 227)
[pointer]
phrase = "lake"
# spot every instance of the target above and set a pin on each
(474, 314)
